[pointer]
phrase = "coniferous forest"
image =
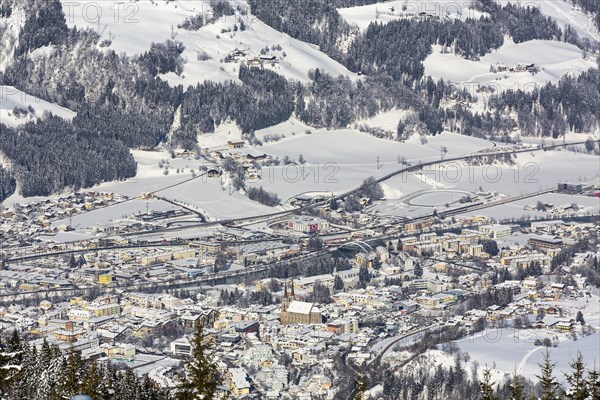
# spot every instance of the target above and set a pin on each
(46, 372)
(42, 371)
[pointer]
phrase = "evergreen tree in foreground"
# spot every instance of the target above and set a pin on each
(517, 389)
(578, 385)
(593, 384)
(548, 383)
(9, 359)
(361, 388)
(48, 373)
(487, 387)
(202, 380)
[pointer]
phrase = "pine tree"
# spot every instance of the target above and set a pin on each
(418, 271)
(126, 385)
(72, 378)
(363, 276)
(578, 389)
(549, 384)
(593, 384)
(517, 390)
(14, 343)
(48, 364)
(361, 388)
(108, 382)
(149, 390)
(202, 380)
(8, 369)
(91, 381)
(72, 262)
(28, 376)
(487, 388)
(338, 283)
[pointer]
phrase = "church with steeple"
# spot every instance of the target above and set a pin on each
(298, 312)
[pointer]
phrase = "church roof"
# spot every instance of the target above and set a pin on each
(300, 307)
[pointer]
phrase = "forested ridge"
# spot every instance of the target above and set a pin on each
(122, 103)
(51, 154)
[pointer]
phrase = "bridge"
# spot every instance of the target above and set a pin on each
(357, 245)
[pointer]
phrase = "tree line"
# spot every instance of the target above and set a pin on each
(424, 381)
(7, 184)
(46, 372)
(583, 383)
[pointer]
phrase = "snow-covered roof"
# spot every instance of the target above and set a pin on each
(300, 307)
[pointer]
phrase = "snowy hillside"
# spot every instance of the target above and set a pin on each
(564, 14)
(17, 107)
(140, 24)
(554, 59)
(9, 32)
(383, 12)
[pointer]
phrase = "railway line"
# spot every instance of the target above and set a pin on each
(412, 168)
(163, 284)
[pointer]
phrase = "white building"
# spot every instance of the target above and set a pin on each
(308, 224)
(258, 354)
(181, 346)
(76, 314)
(496, 231)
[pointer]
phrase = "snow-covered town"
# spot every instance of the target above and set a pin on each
(300, 200)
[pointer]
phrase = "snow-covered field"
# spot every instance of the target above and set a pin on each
(532, 172)
(339, 160)
(215, 201)
(11, 98)
(387, 120)
(506, 350)
(108, 215)
(437, 198)
(207, 195)
(138, 24)
(554, 59)
(516, 210)
(151, 177)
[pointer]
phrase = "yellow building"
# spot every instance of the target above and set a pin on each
(105, 279)
(183, 254)
(435, 300)
(476, 250)
(156, 259)
(238, 380)
(123, 352)
(441, 267)
(564, 326)
(105, 310)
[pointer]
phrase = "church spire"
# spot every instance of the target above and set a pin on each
(293, 295)
(285, 293)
